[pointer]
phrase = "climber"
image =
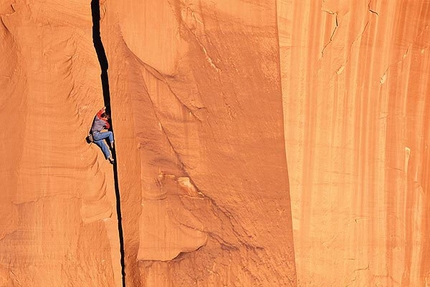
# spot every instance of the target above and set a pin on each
(100, 132)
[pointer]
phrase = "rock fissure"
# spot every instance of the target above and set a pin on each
(370, 9)
(101, 55)
(336, 25)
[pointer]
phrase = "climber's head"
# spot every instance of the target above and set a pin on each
(105, 116)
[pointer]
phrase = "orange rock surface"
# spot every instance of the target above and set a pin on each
(200, 114)
(195, 94)
(56, 212)
(210, 101)
(355, 77)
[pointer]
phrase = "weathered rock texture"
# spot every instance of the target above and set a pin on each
(197, 114)
(197, 108)
(356, 103)
(57, 225)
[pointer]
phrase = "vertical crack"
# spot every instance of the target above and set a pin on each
(101, 55)
(336, 25)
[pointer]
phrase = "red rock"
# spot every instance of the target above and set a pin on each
(355, 88)
(205, 190)
(197, 114)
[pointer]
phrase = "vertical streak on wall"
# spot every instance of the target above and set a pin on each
(357, 139)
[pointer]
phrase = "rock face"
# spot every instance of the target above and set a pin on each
(197, 114)
(356, 106)
(57, 223)
(208, 100)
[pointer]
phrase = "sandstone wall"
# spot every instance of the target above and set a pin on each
(197, 108)
(58, 226)
(197, 113)
(356, 107)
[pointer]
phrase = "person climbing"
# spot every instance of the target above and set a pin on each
(100, 133)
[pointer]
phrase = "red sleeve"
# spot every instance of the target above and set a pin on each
(99, 114)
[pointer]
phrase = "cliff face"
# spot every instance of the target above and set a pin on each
(355, 88)
(202, 95)
(196, 102)
(197, 114)
(57, 223)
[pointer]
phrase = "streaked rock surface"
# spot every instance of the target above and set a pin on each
(197, 113)
(356, 104)
(197, 107)
(57, 219)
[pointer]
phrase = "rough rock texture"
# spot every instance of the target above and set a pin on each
(201, 162)
(197, 114)
(57, 223)
(355, 87)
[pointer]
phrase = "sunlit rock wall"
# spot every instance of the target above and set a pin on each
(197, 113)
(356, 104)
(57, 221)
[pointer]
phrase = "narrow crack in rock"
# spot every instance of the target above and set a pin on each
(370, 9)
(333, 32)
(101, 55)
